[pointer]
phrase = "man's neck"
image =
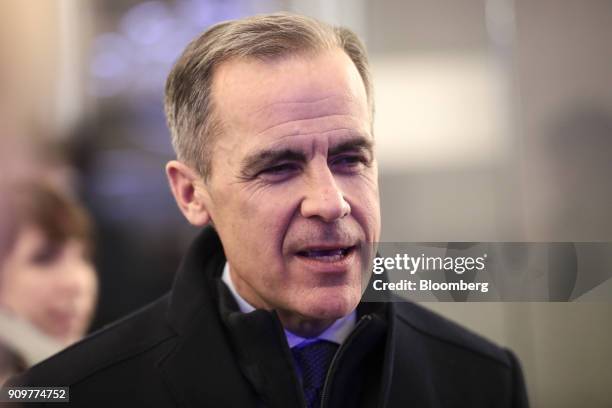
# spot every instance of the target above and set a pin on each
(299, 327)
(303, 327)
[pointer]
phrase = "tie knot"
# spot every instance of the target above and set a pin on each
(312, 361)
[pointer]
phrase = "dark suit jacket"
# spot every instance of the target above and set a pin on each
(183, 351)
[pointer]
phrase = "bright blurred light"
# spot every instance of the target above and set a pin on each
(438, 111)
(147, 23)
(151, 35)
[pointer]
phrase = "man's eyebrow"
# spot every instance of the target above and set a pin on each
(265, 158)
(353, 144)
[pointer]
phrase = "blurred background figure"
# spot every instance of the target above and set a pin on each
(493, 124)
(48, 284)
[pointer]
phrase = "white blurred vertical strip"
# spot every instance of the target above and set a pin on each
(520, 325)
(348, 13)
(68, 90)
(500, 20)
(354, 11)
(501, 30)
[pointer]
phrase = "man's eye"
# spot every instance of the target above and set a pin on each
(350, 162)
(279, 171)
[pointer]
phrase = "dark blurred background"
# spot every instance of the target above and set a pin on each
(494, 123)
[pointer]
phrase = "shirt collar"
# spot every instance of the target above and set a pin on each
(336, 333)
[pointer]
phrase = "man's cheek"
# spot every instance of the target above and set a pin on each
(363, 186)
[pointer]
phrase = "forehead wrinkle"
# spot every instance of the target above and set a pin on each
(285, 110)
(290, 102)
(348, 131)
(323, 104)
(296, 131)
(302, 97)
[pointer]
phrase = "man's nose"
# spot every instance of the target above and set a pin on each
(324, 199)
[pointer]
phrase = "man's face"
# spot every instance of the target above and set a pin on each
(293, 190)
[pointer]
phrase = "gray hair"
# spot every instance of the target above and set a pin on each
(188, 102)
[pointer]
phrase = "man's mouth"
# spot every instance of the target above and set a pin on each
(327, 254)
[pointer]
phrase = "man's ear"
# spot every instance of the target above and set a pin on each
(188, 189)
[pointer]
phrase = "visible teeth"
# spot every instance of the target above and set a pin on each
(325, 255)
(332, 252)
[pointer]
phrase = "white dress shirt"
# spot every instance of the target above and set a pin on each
(336, 333)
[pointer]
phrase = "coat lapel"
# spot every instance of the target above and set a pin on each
(201, 367)
(407, 378)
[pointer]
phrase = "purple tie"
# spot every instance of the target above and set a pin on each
(312, 362)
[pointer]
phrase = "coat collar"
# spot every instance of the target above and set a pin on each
(200, 366)
(406, 378)
(202, 363)
(191, 290)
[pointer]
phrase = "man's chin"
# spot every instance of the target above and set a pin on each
(330, 306)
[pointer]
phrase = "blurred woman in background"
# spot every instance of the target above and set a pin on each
(48, 285)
